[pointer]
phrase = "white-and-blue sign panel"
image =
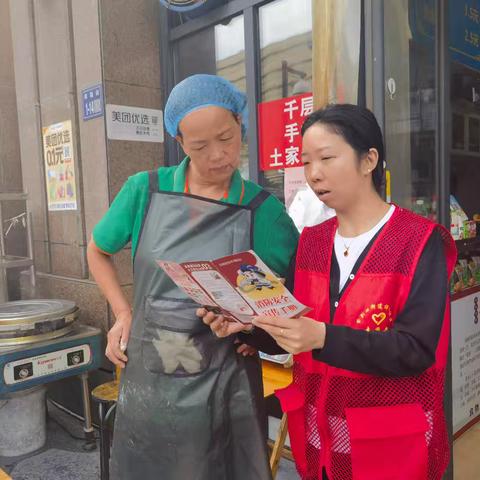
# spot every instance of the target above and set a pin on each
(465, 32)
(464, 28)
(92, 100)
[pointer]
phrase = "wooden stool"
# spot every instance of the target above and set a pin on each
(274, 376)
(4, 475)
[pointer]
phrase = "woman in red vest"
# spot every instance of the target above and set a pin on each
(366, 402)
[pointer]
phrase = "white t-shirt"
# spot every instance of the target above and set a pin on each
(356, 245)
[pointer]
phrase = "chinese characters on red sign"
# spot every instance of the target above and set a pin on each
(280, 123)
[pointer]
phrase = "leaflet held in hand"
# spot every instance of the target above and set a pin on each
(238, 286)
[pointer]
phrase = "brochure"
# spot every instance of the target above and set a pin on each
(238, 286)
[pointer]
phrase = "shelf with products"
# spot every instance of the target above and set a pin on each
(461, 226)
(466, 293)
(466, 274)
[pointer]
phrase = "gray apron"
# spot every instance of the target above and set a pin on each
(190, 407)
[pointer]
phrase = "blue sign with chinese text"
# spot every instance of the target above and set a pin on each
(92, 100)
(465, 32)
(463, 25)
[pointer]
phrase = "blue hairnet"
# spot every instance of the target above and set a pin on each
(200, 91)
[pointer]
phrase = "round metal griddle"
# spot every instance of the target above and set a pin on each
(29, 321)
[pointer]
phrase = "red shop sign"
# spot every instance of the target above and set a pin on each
(280, 123)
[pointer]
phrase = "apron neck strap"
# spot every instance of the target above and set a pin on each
(235, 194)
(258, 200)
(153, 185)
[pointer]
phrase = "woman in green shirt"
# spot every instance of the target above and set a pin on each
(189, 406)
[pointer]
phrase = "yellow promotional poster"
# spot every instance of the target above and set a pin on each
(59, 166)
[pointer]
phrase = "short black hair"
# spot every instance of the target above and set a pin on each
(359, 128)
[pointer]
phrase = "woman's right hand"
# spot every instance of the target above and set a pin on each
(220, 326)
(117, 339)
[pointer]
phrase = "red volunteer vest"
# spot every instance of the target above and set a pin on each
(358, 426)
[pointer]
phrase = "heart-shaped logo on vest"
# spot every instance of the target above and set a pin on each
(379, 318)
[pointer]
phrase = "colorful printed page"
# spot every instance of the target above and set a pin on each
(259, 286)
(202, 282)
(183, 280)
(239, 286)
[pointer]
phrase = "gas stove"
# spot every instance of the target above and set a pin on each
(41, 341)
(28, 365)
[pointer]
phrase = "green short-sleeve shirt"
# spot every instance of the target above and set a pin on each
(275, 235)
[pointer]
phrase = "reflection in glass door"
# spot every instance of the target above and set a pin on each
(410, 103)
(217, 50)
(286, 60)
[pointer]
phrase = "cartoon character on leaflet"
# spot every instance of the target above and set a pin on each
(254, 279)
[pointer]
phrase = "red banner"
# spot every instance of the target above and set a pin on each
(280, 123)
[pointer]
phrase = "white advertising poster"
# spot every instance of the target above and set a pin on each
(59, 166)
(135, 124)
(294, 181)
(465, 360)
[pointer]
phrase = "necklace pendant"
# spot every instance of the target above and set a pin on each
(345, 253)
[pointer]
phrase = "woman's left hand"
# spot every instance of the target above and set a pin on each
(223, 328)
(219, 325)
(294, 335)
